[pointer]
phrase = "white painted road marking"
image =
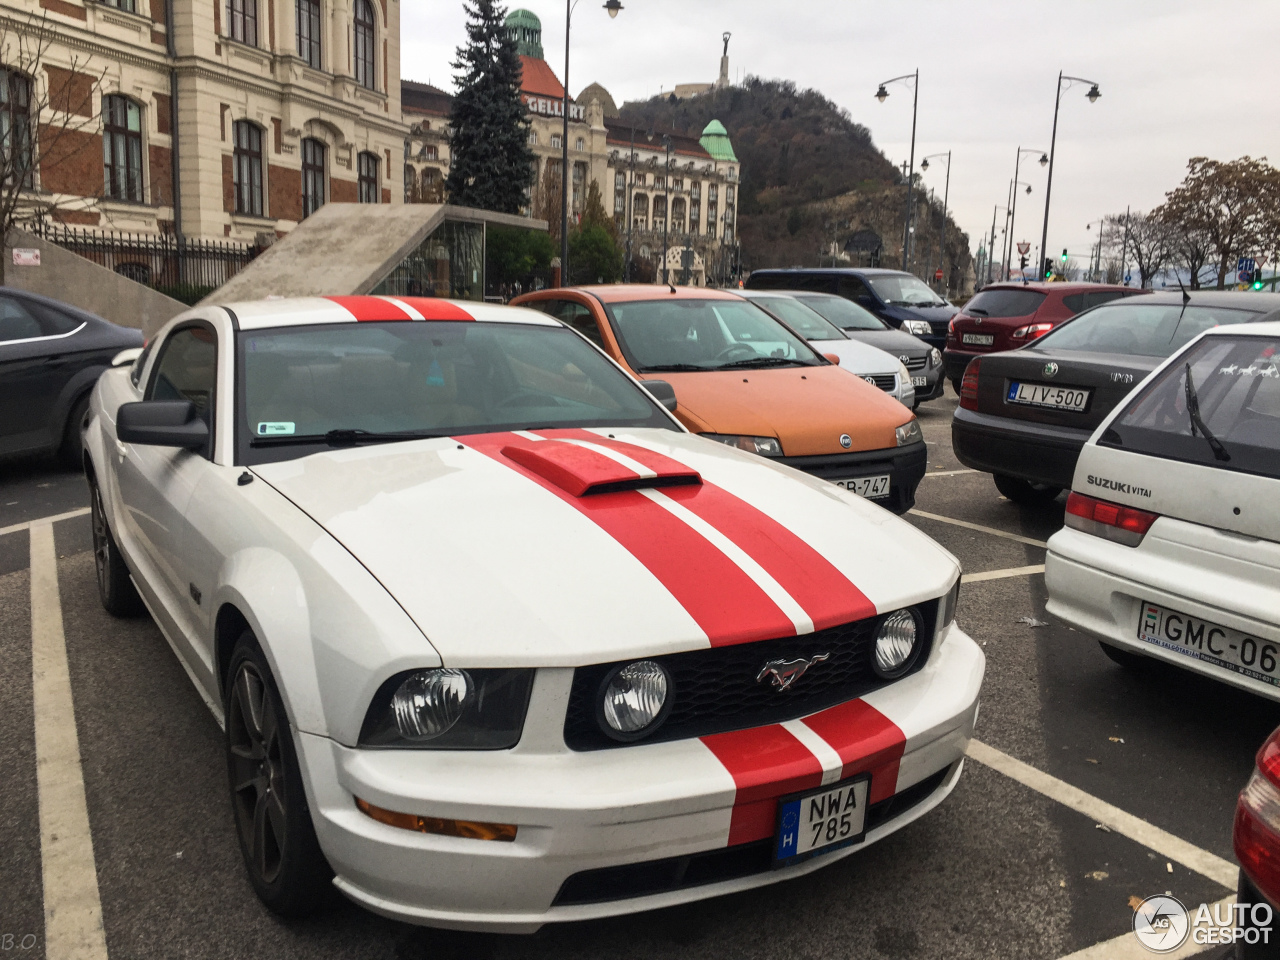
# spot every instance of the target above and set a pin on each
(1173, 848)
(980, 528)
(1002, 574)
(1127, 947)
(949, 473)
(69, 515)
(72, 909)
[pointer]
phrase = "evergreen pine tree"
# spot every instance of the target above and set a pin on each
(489, 132)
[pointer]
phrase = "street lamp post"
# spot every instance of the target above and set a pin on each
(1044, 159)
(613, 7)
(666, 215)
(946, 193)
(991, 246)
(628, 206)
(1093, 96)
(1013, 215)
(881, 94)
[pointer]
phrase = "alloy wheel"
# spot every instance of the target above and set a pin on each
(257, 772)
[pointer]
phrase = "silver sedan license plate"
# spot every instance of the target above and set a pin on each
(978, 339)
(1074, 399)
(821, 820)
(870, 487)
(1221, 646)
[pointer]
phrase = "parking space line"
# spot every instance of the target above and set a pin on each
(1173, 848)
(1127, 947)
(72, 908)
(1002, 574)
(70, 514)
(950, 473)
(980, 528)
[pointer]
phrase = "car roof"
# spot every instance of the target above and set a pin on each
(56, 304)
(1240, 299)
(867, 271)
(1268, 326)
(303, 311)
(1042, 287)
(625, 292)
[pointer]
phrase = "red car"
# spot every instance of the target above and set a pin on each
(1003, 316)
(1256, 839)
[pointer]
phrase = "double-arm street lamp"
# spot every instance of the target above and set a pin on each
(946, 192)
(992, 245)
(613, 6)
(1093, 95)
(881, 94)
(1013, 213)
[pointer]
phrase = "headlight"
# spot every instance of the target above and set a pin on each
(634, 699)
(449, 709)
(904, 374)
(897, 642)
(935, 357)
(947, 607)
(917, 328)
(765, 446)
(909, 433)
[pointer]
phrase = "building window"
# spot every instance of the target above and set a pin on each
(15, 127)
(619, 202)
(580, 144)
(678, 184)
(367, 167)
(695, 190)
(555, 141)
(364, 24)
(122, 148)
(640, 179)
(242, 16)
(313, 152)
(619, 181)
(430, 152)
(127, 5)
(728, 195)
(695, 215)
(247, 167)
(533, 138)
(659, 181)
(308, 15)
(713, 192)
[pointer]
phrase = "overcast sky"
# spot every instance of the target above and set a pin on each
(1178, 79)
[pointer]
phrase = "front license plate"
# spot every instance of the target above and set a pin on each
(821, 820)
(978, 339)
(1211, 643)
(1046, 395)
(919, 381)
(869, 487)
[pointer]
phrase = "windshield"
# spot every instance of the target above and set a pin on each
(436, 378)
(904, 290)
(1236, 381)
(803, 320)
(845, 314)
(676, 334)
(1138, 329)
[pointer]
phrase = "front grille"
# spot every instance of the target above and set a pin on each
(714, 866)
(885, 381)
(716, 690)
(916, 363)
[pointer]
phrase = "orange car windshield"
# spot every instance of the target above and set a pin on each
(674, 335)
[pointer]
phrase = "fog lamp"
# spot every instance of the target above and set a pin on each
(634, 699)
(895, 644)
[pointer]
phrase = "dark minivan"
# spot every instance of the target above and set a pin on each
(902, 300)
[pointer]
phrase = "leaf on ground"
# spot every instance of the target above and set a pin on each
(1135, 903)
(1090, 760)
(1097, 875)
(1032, 622)
(1116, 739)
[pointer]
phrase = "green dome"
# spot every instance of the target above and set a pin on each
(525, 26)
(715, 140)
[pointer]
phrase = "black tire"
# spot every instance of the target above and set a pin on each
(71, 450)
(273, 822)
(1263, 948)
(1026, 492)
(116, 591)
(1130, 661)
(955, 385)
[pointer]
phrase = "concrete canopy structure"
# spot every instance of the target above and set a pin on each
(419, 249)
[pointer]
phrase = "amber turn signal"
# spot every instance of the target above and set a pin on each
(470, 829)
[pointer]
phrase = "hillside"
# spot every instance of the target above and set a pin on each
(811, 176)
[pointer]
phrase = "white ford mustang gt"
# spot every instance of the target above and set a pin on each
(494, 640)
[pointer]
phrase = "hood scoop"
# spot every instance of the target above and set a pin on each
(582, 467)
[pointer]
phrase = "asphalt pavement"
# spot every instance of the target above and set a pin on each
(1014, 864)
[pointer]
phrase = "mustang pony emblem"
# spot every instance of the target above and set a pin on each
(787, 672)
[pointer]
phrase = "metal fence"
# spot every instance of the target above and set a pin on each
(185, 268)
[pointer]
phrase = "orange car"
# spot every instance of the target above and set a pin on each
(744, 379)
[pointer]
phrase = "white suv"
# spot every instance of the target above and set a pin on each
(1172, 541)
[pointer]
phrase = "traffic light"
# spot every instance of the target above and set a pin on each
(1064, 254)
(1022, 263)
(1257, 278)
(1048, 269)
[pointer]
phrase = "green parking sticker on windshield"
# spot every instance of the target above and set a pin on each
(275, 428)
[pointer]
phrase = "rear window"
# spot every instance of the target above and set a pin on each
(1005, 303)
(1139, 329)
(1236, 382)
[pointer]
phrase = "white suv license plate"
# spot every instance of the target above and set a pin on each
(978, 339)
(1221, 646)
(870, 487)
(821, 820)
(1045, 395)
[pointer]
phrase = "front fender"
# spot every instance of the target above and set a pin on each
(72, 390)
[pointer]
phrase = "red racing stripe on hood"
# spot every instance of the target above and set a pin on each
(867, 741)
(725, 603)
(765, 763)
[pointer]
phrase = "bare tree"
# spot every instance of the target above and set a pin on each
(1067, 270)
(1192, 249)
(546, 199)
(1112, 271)
(1145, 238)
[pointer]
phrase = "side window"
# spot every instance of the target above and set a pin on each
(54, 322)
(851, 288)
(17, 322)
(1100, 297)
(1074, 302)
(577, 316)
(187, 370)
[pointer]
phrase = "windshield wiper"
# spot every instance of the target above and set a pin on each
(672, 368)
(764, 362)
(344, 438)
(1193, 408)
(985, 313)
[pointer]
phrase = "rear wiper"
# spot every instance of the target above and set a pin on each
(1193, 408)
(985, 313)
(672, 368)
(764, 362)
(344, 438)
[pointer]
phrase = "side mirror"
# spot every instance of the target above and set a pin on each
(126, 357)
(833, 358)
(661, 391)
(162, 423)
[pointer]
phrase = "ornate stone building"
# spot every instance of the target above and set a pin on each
(216, 118)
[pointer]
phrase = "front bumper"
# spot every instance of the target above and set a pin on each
(935, 383)
(1036, 452)
(905, 466)
(1098, 587)
(589, 811)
